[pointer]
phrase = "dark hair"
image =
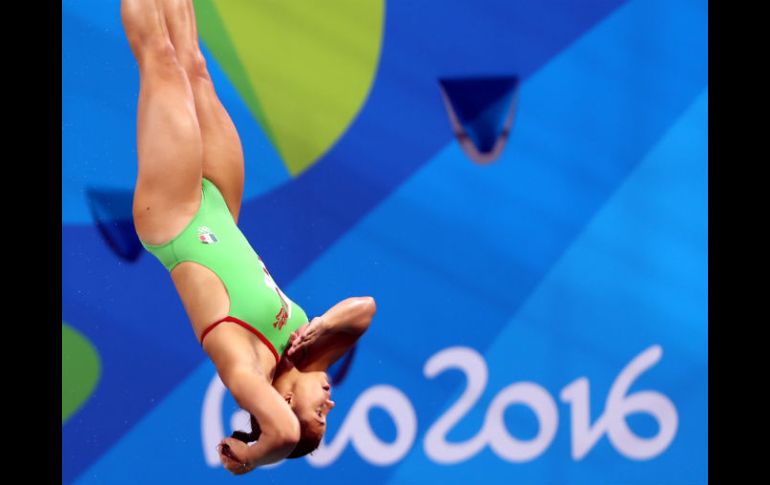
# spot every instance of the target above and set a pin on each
(309, 438)
(248, 437)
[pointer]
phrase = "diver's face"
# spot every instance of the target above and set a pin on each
(312, 398)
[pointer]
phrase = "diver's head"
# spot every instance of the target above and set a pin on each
(309, 395)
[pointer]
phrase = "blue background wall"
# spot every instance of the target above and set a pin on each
(568, 278)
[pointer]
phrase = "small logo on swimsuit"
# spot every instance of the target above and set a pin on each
(206, 236)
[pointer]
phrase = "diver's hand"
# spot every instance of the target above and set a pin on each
(297, 333)
(304, 337)
(232, 453)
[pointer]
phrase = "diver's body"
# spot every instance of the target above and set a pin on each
(190, 172)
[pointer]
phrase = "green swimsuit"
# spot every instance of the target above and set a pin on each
(213, 240)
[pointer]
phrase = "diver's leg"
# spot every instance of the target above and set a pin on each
(169, 147)
(222, 151)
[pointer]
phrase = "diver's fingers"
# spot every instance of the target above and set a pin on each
(294, 348)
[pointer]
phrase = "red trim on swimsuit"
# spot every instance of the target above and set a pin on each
(247, 327)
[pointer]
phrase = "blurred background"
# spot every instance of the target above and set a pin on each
(521, 185)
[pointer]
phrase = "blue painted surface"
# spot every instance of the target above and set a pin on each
(583, 245)
(481, 106)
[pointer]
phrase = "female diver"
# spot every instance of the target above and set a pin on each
(186, 204)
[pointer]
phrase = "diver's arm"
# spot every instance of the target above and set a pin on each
(326, 338)
(351, 315)
(279, 426)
